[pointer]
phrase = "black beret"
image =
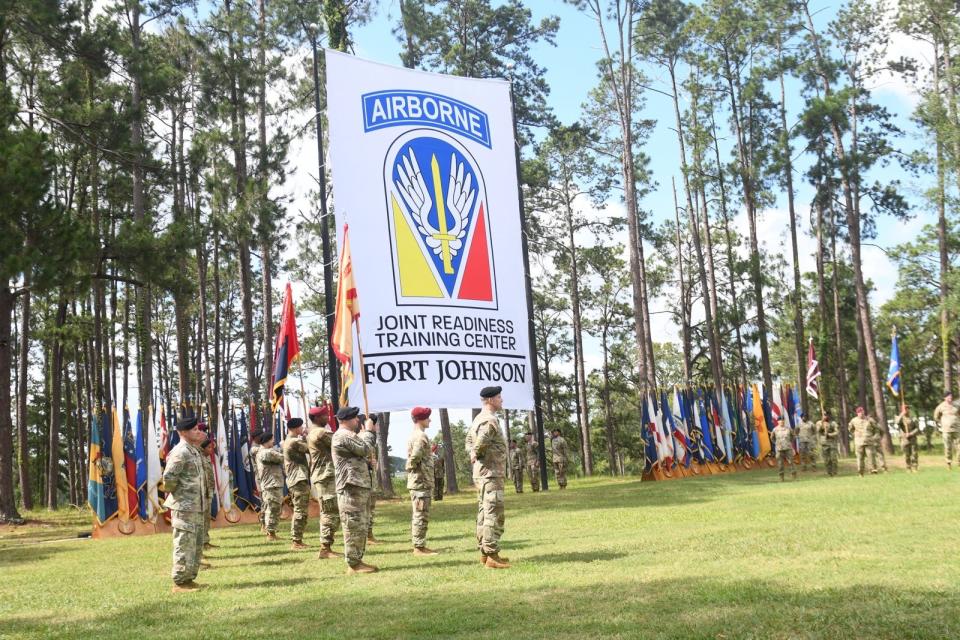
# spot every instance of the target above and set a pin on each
(294, 423)
(256, 434)
(206, 443)
(264, 437)
(186, 424)
(346, 413)
(490, 392)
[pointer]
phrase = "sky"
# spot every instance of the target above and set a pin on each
(571, 74)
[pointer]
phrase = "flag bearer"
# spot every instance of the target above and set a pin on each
(830, 431)
(488, 453)
(807, 436)
(319, 441)
(186, 486)
(295, 456)
(909, 432)
(351, 448)
(863, 430)
(270, 463)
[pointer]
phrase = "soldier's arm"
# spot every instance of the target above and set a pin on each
(270, 456)
(484, 434)
(416, 453)
(938, 412)
(301, 446)
(171, 474)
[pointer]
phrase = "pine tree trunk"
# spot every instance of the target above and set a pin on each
(945, 323)
(265, 226)
(8, 507)
(842, 393)
(383, 455)
(23, 459)
(56, 399)
(449, 462)
(684, 312)
(607, 406)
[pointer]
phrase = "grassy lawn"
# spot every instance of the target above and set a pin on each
(732, 556)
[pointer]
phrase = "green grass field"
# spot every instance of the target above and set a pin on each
(732, 556)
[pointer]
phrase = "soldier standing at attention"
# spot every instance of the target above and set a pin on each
(420, 480)
(439, 468)
(319, 441)
(295, 456)
(531, 453)
(270, 463)
(830, 431)
(516, 465)
(186, 486)
(878, 446)
(351, 449)
(783, 440)
(946, 415)
(863, 429)
(252, 460)
(807, 435)
(374, 483)
(488, 453)
(909, 432)
(559, 449)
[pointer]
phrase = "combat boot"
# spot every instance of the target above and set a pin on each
(496, 562)
(361, 568)
(298, 546)
(326, 553)
(186, 587)
(424, 551)
(271, 537)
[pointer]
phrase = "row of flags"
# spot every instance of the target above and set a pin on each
(893, 372)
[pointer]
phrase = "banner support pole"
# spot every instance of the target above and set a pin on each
(528, 286)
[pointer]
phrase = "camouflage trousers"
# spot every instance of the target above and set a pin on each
(534, 472)
(353, 503)
(206, 524)
(784, 458)
(560, 470)
(808, 454)
(949, 445)
(329, 513)
(188, 531)
(300, 501)
(419, 518)
(372, 504)
(911, 454)
(271, 499)
(518, 479)
(490, 514)
(830, 458)
(881, 457)
(865, 449)
(438, 487)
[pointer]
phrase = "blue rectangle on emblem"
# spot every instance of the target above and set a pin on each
(399, 107)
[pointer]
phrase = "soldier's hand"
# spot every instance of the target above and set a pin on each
(370, 425)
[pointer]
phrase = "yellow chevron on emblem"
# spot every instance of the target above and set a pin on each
(416, 279)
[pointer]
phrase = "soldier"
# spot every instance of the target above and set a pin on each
(559, 448)
(908, 433)
(295, 456)
(927, 429)
(185, 483)
(946, 415)
(488, 453)
(420, 480)
(516, 465)
(351, 448)
(863, 429)
(205, 447)
(252, 460)
(877, 441)
(319, 441)
(439, 469)
(830, 431)
(807, 435)
(783, 440)
(270, 464)
(531, 454)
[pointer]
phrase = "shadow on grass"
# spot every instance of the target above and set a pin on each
(577, 556)
(33, 552)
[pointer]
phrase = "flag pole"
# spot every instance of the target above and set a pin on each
(363, 378)
(303, 392)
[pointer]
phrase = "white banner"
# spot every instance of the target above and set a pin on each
(424, 174)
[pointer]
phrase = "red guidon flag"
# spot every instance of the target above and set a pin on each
(287, 349)
(347, 311)
(813, 372)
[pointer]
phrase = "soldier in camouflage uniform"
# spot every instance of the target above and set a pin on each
(185, 483)
(783, 441)
(270, 463)
(516, 465)
(908, 433)
(946, 415)
(372, 467)
(205, 447)
(863, 430)
(878, 447)
(351, 449)
(488, 452)
(531, 454)
(830, 431)
(558, 447)
(319, 441)
(439, 469)
(252, 460)
(419, 468)
(295, 459)
(807, 436)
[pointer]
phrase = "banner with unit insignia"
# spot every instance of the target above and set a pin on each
(424, 173)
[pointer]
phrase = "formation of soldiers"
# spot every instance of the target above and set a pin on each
(340, 466)
(528, 458)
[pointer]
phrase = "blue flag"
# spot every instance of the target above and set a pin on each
(95, 491)
(705, 428)
(649, 444)
(239, 465)
(893, 373)
(140, 459)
